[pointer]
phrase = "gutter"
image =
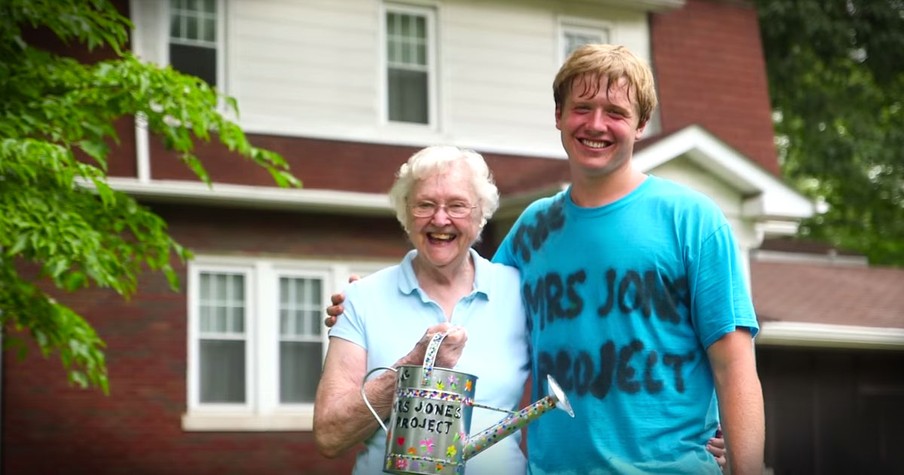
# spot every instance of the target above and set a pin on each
(820, 335)
(260, 197)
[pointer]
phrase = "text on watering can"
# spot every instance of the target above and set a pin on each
(432, 416)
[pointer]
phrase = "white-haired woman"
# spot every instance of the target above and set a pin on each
(443, 197)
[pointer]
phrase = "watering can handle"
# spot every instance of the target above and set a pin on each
(430, 357)
(364, 395)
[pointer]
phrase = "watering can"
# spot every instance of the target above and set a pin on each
(431, 417)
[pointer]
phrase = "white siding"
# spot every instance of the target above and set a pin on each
(313, 68)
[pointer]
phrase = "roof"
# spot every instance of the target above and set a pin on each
(828, 303)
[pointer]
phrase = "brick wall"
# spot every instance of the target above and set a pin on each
(710, 70)
(49, 427)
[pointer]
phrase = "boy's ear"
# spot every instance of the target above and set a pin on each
(639, 132)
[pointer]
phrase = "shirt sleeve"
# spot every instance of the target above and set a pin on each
(721, 302)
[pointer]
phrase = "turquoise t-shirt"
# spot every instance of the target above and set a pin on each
(386, 313)
(622, 302)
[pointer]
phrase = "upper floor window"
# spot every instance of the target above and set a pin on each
(409, 64)
(193, 38)
(574, 33)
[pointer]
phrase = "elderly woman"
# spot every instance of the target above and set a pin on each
(443, 197)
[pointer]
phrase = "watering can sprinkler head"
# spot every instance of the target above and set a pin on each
(516, 420)
(559, 395)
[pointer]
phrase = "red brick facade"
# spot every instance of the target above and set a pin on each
(710, 70)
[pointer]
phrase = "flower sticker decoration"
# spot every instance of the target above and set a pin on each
(401, 464)
(451, 451)
(400, 441)
(427, 445)
(468, 385)
(440, 385)
(412, 451)
(453, 382)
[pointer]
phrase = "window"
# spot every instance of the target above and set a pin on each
(193, 38)
(300, 338)
(577, 33)
(257, 341)
(222, 337)
(409, 63)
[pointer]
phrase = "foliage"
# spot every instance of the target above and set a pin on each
(836, 77)
(60, 223)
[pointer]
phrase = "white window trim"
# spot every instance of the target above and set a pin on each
(567, 24)
(430, 12)
(261, 411)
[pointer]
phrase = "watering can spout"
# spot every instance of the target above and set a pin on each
(515, 421)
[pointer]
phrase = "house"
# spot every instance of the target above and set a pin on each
(220, 377)
(829, 354)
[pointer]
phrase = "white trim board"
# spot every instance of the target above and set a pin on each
(263, 197)
(797, 334)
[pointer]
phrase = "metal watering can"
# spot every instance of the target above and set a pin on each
(431, 418)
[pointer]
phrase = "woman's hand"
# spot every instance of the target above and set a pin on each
(449, 350)
(716, 446)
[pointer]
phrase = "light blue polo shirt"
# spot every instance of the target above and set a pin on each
(386, 313)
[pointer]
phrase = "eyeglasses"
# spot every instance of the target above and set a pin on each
(456, 209)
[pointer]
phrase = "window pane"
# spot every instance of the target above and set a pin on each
(300, 297)
(204, 284)
(222, 371)
(420, 27)
(408, 96)
(300, 301)
(420, 56)
(299, 371)
(284, 297)
(191, 28)
(206, 324)
(238, 288)
(176, 27)
(220, 323)
(314, 322)
(210, 6)
(392, 21)
(237, 320)
(209, 30)
(578, 36)
(221, 308)
(299, 326)
(195, 60)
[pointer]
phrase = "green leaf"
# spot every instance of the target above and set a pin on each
(57, 210)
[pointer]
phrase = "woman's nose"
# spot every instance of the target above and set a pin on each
(441, 217)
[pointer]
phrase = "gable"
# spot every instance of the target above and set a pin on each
(763, 197)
